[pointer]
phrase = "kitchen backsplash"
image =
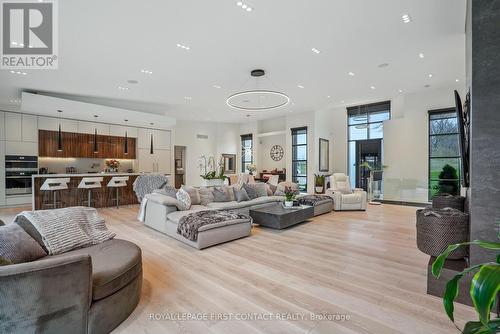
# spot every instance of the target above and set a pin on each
(82, 165)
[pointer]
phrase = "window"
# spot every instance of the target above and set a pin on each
(444, 153)
(364, 122)
(246, 151)
(299, 157)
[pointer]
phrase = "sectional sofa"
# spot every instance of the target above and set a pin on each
(162, 214)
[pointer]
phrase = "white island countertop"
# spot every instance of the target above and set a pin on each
(91, 174)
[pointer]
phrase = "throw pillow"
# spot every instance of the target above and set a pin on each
(220, 194)
(206, 195)
(272, 187)
(183, 197)
(230, 193)
(268, 189)
(16, 246)
(255, 190)
(280, 189)
(240, 195)
(193, 193)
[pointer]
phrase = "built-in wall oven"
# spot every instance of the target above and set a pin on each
(18, 171)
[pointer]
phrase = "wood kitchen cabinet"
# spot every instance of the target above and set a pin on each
(81, 145)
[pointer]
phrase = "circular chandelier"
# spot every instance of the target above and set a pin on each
(257, 99)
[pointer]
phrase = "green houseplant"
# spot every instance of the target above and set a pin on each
(319, 183)
(484, 288)
(289, 196)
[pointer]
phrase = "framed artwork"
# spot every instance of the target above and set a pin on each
(229, 163)
(324, 155)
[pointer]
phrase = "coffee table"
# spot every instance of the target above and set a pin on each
(277, 217)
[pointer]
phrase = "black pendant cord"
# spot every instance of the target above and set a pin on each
(95, 141)
(126, 143)
(59, 139)
(151, 151)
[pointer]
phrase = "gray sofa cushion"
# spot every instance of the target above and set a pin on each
(16, 246)
(221, 194)
(193, 193)
(240, 195)
(255, 190)
(115, 263)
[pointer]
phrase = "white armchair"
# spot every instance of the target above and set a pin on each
(344, 197)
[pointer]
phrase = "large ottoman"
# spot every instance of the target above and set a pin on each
(321, 203)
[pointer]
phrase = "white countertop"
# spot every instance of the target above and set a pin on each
(90, 174)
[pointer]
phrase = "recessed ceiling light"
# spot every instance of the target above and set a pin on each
(406, 18)
(328, 96)
(372, 87)
(239, 3)
(244, 6)
(383, 65)
(400, 90)
(133, 82)
(315, 50)
(421, 55)
(249, 9)
(182, 46)
(123, 88)
(146, 71)
(217, 86)
(300, 86)
(351, 74)
(430, 75)
(456, 80)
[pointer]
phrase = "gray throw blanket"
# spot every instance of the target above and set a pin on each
(145, 184)
(190, 224)
(311, 200)
(62, 230)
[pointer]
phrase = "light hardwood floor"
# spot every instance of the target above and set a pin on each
(361, 264)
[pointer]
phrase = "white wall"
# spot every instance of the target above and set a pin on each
(222, 138)
(264, 144)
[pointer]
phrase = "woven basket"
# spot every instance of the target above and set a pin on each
(436, 229)
(448, 201)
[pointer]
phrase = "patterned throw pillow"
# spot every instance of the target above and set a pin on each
(240, 194)
(193, 193)
(16, 246)
(255, 190)
(206, 195)
(280, 189)
(184, 198)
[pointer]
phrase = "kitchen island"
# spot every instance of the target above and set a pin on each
(71, 196)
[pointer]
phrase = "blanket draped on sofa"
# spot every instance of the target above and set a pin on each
(190, 224)
(62, 230)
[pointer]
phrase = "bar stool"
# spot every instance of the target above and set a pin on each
(90, 184)
(117, 182)
(54, 187)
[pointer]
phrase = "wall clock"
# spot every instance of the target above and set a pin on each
(277, 152)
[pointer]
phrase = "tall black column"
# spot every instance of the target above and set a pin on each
(483, 78)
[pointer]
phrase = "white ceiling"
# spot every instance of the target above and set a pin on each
(102, 44)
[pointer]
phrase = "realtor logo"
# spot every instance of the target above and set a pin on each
(29, 34)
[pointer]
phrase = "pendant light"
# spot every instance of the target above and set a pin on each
(125, 151)
(151, 151)
(95, 141)
(59, 134)
(126, 144)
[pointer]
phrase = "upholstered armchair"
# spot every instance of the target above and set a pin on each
(344, 197)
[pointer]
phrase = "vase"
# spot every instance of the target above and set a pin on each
(319, 190)
(288, 204)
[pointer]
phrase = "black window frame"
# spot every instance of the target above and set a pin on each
(458, 157)
(244, 162)
(295, 132)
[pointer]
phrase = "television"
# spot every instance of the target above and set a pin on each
(463, 117)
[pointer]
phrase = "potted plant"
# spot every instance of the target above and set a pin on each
(289, 196)
(251, 168)
(319, 183)
(112, 165)
(485, 286)
(212, 174)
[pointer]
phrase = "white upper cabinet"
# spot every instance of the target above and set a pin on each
(89, 127)
(13, 127)
(119, 131)
(29, 128)
(144, 137)
(2, 125)
(52, 124)
(161, 139)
